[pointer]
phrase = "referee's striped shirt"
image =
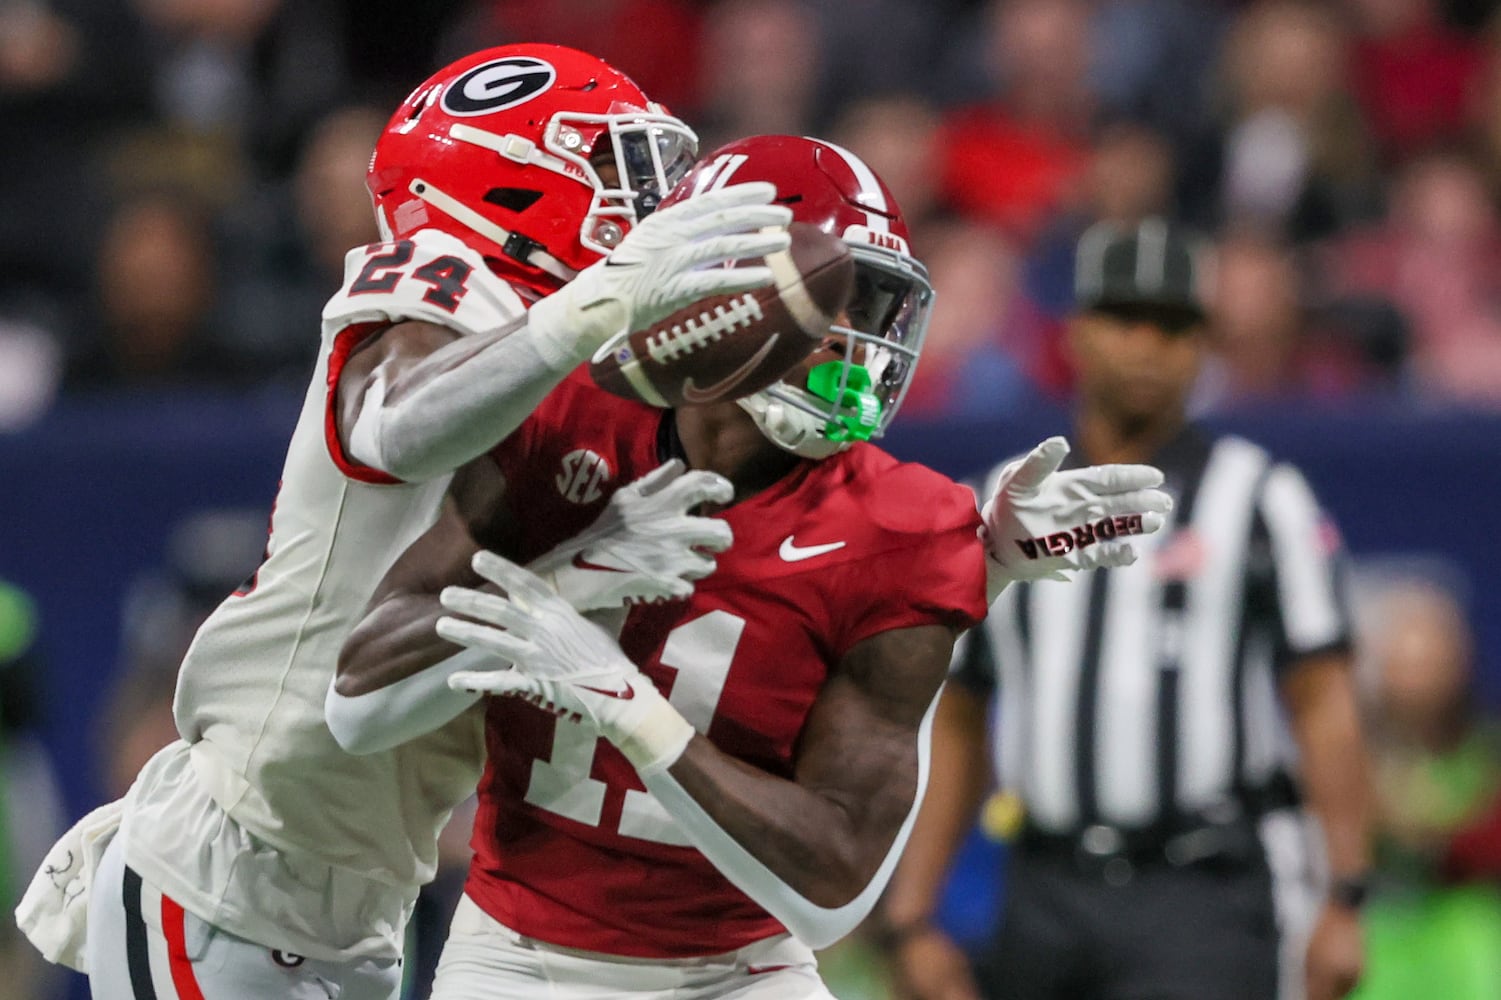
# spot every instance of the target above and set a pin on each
(1130, 697)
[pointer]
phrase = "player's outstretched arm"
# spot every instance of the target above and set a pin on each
(1041, 522)
(815, 851)
(418, 400)
(391, 685)
(818, 851)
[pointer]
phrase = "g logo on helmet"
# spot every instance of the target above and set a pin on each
(493, 86)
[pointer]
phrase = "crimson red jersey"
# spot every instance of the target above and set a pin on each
(569, 847)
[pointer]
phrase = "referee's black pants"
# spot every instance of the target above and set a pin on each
(1147, 931)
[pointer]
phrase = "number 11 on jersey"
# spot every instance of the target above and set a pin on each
(701, 651)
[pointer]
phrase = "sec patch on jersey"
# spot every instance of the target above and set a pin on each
(728, 346)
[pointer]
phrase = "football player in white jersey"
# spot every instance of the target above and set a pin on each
(254, 857)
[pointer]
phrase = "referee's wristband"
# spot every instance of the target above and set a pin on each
(1350, 891)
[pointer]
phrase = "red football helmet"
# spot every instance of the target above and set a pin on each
(503, 149)
(832, 188)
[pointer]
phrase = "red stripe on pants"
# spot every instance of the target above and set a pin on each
(174, 924)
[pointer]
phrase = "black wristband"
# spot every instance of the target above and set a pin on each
(1350, 891)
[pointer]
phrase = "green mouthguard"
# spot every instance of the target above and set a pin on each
(857, 412)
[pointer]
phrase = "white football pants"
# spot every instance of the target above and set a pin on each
(485, 960)
(143, 946)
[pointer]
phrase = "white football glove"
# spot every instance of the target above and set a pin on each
(1041, 522)
(644, 546)
(563, 663)
(665, 262)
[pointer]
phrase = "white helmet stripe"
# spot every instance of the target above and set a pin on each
(717, 174)
(871, 197)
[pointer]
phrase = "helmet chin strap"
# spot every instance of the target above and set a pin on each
(790, 428)
(803, 422)
(533, 254)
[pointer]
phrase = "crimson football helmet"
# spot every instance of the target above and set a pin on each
(854, 396)
(540, 157)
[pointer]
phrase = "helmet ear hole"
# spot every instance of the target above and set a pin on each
(513, 199)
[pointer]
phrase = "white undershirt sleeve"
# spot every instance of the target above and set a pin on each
(458, 414)
(414, 706)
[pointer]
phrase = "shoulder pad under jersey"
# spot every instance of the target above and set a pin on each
(906, 498)
(431, 277)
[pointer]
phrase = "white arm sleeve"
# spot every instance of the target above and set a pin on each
(414, 706)
(457, 414)
(477, 389)
(814, 925)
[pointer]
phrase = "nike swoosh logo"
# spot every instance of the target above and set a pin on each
(625, 695)
(761, 970)
(694, 394)
(581, 563)
(797, 553)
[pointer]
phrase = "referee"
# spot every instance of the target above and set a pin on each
(1165, 725)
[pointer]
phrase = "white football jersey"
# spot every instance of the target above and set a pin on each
(251, 689)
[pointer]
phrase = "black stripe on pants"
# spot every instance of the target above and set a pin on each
(136, 955)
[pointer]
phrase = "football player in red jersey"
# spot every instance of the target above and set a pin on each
(687, 801)
(254, 857)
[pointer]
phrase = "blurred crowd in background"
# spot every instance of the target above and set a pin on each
(180, 181)
(183, 176)
(1434, 926)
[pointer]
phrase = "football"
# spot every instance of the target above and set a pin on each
(728, 346)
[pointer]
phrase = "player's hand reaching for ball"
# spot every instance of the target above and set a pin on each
(531, 626)
(664, 263)
(645, 545)
(563, 663)
(1041, 522)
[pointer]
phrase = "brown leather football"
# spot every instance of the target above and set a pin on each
(729, 346)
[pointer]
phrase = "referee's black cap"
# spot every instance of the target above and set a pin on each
(1154, 265)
